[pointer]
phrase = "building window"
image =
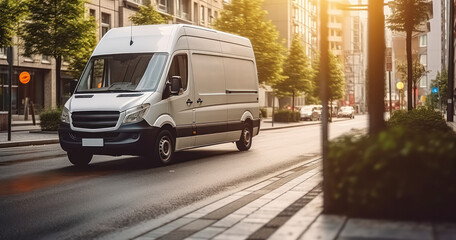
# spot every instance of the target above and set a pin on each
(209, 15)
(163, 5)
(105, 23)
(423, 40)
(92, 13)
(3, 53)
(195, 12)
(202, 15)
(45, 59)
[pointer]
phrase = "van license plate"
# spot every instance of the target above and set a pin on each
(92, 142)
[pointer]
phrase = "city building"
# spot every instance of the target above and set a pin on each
(292, 17)
(354, 58)
(108, 14)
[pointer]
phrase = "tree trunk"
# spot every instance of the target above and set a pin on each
(293, 101)
(408, 41)
(58, 85)
(376, 69)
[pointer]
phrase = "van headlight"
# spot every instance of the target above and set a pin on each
(136, 114)
(65, 115)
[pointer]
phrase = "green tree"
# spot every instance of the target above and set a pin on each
(406, 16)
(297, 72)
(248, 19)
(147, 15)
(56, 28)
(11, 13)
(418, 71)
(440, 82)
(336, 79)
(79, 57)
(314, 96)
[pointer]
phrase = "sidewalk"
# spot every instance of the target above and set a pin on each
(24, 133)
(286, 206)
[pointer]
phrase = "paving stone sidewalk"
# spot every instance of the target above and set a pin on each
(288, 206)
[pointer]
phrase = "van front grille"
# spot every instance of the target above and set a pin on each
(95, 119)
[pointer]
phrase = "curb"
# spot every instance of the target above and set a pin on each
(28, 143)
(299, 125)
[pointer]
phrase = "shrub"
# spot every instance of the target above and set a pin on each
(285, 115)
(421, 119)
(406, 171)
(400, 173)
(50, 119)
(264, 112)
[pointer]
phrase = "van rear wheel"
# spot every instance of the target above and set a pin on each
(245, 142)
(79, 159)
(163, 151)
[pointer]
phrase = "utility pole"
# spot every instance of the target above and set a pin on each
(376, 65)
(450, 104)
(324, 85)
(10, 93)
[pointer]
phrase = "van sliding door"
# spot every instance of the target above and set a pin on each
(210, 99)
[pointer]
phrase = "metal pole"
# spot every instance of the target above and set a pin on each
(450, 109)
(10, 93)
(391, 102)
(324, 83)
(273, 106)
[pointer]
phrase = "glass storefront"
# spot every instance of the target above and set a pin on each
(34, 90)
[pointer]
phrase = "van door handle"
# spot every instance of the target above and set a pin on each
(189, 101)
(199, 101)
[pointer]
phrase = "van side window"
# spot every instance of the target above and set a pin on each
(179, 68)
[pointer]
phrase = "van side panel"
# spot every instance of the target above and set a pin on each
(211, 112)
(242, 88)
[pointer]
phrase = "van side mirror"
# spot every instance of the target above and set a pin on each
(73, 85)
(175, 85)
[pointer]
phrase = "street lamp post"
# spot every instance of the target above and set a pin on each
(400, 86)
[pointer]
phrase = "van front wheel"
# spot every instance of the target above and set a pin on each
(79, 159)
(245, 142)
(164, 147)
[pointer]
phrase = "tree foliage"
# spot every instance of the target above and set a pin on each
(336, 78)
(418, 71)
(11, 13)
(147, 15)
(79, 57)
(407, 15)
(297, 72)
(440, 82)
(56, 28)
(247, 18)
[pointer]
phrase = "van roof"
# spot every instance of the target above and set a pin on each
(157, 38)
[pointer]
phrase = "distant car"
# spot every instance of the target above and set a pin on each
(346, 111)
(311, 112)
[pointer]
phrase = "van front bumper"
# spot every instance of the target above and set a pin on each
(129, 139)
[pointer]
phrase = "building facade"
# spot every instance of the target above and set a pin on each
(108, 14)
(292, 17)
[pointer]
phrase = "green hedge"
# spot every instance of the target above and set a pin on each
(421, 119)
(405, 172)
(264, 112)
(285, 115)
(50, 119)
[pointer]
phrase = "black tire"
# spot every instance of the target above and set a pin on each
(245, 142)
(163, 151)
(79, 159)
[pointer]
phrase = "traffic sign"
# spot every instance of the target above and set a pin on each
(400, 85)
(24, 77)
(435, 90)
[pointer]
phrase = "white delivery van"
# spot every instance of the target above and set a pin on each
(153, 90)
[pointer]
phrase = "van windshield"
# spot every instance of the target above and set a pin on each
(122, 73)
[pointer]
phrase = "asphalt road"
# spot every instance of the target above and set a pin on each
(43, 197)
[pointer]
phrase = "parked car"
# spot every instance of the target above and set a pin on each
(311, 112)
(346, 111)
